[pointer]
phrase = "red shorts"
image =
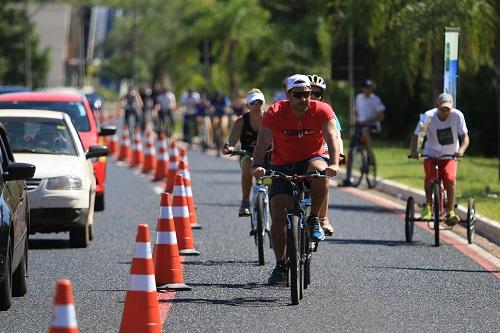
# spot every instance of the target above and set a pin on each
(447, 170)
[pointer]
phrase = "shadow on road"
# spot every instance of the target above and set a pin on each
(433, 269)
(48, 244)
(373, 242)
(218, 204)
(238, 301)
(221, 263)
(361, 208)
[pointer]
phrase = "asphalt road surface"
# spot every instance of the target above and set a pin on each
(364, 279)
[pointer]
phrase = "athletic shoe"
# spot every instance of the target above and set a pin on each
(426, 213)
(452, 218)
(327, 227)
(244, 208)
(279, 275)
(315, 231)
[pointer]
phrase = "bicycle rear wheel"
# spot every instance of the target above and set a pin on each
(357, 165)
(259, 208)
(293, 258)
(371, 170)
(409, 219)
(437, 214)
(471, 220)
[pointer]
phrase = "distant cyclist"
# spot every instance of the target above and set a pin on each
(369, 112)
(165, 106)
(245, 130)
(318, 86)
(297, 128)
(446, 135)
(132, 105)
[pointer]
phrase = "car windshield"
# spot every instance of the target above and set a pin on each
(39, 136)
(76, 110)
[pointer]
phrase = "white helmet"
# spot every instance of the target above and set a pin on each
(317, 81)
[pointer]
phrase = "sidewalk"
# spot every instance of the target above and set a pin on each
(485, 227)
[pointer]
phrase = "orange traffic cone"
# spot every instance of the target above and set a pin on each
(137, 154)
(162, 161)
(149, 153)
(189, 194)
(63, 315)
(112, 143)
(124, 152)
(168, 269)
(181, 219)
(142, 310)
(172, 167)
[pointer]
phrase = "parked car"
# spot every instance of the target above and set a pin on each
(14, 223)
(78, 108)
(62, 198)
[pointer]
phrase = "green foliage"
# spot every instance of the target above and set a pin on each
(13, 28)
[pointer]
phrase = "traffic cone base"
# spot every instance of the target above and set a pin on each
(189, 252)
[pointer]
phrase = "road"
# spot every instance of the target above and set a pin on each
(365, 278)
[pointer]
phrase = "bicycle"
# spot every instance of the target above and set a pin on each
(299, 246)
(439, 203)
(260, 216)
(360, 161)
(202, 131)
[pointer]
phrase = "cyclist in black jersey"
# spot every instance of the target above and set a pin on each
(245, 130)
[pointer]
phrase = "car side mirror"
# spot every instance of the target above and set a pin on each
(96, 151)
(106, 130)
(19, 171)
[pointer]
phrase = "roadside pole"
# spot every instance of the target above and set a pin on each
(450, 82)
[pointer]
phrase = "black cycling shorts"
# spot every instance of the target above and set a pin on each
(281, 186)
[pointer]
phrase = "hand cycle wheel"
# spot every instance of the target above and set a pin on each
(436, 202)
(371, 170)
(471, 220)
(409, 219)
(293, 257)
(259, 208)
(357, 165)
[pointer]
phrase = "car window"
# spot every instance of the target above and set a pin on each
(76, 110)
(39, 136)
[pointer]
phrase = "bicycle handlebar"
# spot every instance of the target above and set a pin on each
(437, 157)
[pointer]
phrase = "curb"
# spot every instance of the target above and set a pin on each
(485, 227)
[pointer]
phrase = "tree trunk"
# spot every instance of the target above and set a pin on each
(232, 69)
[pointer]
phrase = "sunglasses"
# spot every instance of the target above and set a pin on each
(256, 102)
(301, 94)
(317, 94)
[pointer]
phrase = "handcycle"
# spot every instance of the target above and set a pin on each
(299, 245)
(360, 161)
(439, 204)
(260, 217)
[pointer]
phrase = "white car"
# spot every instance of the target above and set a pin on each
(62, 191)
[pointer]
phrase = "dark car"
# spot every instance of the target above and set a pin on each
(14, 223)
(11, 89)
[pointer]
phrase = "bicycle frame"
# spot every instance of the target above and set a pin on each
(442, 193)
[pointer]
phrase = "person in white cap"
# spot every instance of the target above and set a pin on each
(245, 130)
(297, 128)
(446, 135)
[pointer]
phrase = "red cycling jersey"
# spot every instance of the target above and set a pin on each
(296, 139)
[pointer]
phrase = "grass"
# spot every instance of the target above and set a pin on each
(477, 176)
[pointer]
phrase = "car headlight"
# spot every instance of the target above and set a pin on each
(64, 183)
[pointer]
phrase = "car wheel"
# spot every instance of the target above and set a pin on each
(19, 286)
(79, 237)
(99, 202)
(6, 284)
(91, 232)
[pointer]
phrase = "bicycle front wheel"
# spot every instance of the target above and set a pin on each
(371, 170)
(357, 165)
(436, 201)
(293, 258)
(259, 208)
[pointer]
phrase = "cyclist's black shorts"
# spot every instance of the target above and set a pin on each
(281, 186)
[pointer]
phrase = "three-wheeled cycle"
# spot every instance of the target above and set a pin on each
(439, 204)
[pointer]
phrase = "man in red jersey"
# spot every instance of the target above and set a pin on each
(297, 128)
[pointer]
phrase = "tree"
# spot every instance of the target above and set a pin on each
(13, 27)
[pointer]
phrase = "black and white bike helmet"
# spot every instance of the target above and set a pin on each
(317, 81)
